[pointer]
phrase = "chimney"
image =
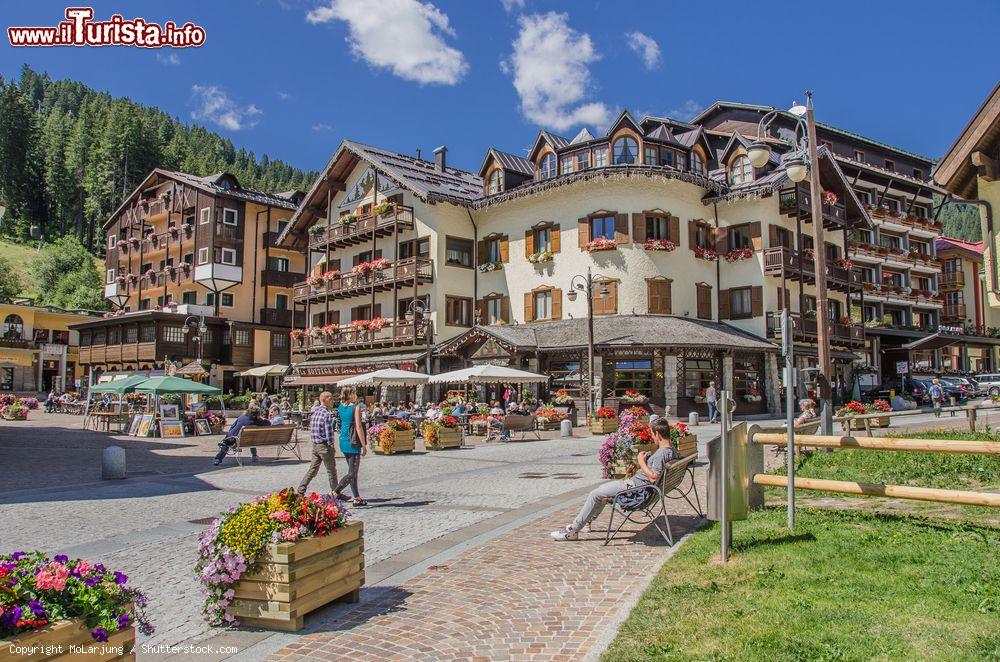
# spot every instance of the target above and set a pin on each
(439, 157)
(418, 153)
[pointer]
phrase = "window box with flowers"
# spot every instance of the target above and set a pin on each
(314, 282)
(699, 397)
(738, 254)
(331, 277)
(393, 436)
(385, 208)
(134, 242)
(188, 229)
(843, 263)
(269, 562)
(487, 267)
(706, 254)
(662, 245)
(603, 421)
(349, 218)
(752, 395)
(315, 229)
(829, 198)
(634, 398)
(541, 257)
(600, 244)
(441, 434)
(51, 606)
(561, 397)
(549, 418)
(297, 336)
(175, 232)
(151, 276)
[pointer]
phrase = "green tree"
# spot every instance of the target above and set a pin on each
(82, 288)
(55, 261)
(10, 282)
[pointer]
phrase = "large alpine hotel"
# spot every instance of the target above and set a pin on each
(398, 261)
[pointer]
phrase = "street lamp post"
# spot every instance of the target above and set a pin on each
(803, 162)
(586, 284)
(199, 326)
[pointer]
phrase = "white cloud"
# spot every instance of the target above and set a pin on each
(549, 67)
(404, 36)
(213, 105)
(284, 96)
(321, 126)
(687, 110)
(167, 58)
(645, 47)
(511, 6)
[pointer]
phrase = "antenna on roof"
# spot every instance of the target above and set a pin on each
(418, 153)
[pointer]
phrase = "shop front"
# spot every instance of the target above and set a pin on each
(318, 375)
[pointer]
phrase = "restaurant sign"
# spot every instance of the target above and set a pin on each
(351, 369)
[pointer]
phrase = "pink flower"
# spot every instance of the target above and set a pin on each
(281, 516)
(291, 534)
(83, 567)
(52, 577)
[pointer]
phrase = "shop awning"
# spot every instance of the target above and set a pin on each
(489, 374)
(265, 371)
(934, 341)
(311, 380)
(386, 377)
(119, 386)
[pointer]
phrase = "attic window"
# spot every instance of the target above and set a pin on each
(547, 169)
(697, 164)
(626, 150)
(495, 183)
(741, 172)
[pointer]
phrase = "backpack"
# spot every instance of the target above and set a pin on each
(634, 499)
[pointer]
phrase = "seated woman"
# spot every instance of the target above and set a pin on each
(807, 411)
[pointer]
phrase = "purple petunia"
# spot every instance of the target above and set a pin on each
(99, 634)
(120, 577)
(37, 608)
(17, 556)
(124, 621)
(61, 558)
(10, 617)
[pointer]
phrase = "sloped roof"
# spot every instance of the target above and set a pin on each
(583, 136)
(508, 162)
(955, 170)
(664, 135)
(689, 138)
(975, 248)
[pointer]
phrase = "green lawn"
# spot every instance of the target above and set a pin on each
(20, 257)
(845, 586)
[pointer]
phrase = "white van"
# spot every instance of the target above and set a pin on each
(989, 383)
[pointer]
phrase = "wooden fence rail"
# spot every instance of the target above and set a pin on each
(882, 443)
(990, 499)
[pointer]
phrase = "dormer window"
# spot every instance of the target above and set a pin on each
(697, 164)
(495, 183)
(547, 170)
(740, 172)
(626, 150)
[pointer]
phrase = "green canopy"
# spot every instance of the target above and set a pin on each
(119, 386)
(164, 385)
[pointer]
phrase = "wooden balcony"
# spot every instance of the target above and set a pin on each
(396, 333)
(952, 280)
(15, 342)
(791, 205)
(787, 260)
(362, 229)
(806, 329)
(276, 317)
(276, 278)
(397, 274)
(953, 311)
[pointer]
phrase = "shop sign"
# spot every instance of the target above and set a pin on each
(356, 369)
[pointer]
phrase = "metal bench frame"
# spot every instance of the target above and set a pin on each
(657, 493)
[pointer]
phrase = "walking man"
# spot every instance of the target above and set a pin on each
(323, 452)
(712, 397)
(937, 396)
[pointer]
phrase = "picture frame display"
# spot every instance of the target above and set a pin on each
(170, 412)
(133, 425)
(202, 427)
(171, 429)
(145, 425)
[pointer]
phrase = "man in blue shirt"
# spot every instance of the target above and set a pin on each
(250, 417)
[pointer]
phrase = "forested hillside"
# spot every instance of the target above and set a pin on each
(69, 154)
(961, 221)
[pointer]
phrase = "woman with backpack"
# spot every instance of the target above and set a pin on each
(353, 443)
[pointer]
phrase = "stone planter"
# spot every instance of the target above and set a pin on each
(445, 438)
(295, 578)
(603, 425)
(402, 442)
(58, 637)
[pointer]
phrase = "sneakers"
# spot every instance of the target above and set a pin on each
(565, 534)
(586, 529)
(216, 463)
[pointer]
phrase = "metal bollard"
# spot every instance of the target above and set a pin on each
(113, 463)
(566, 428)
(693, 419)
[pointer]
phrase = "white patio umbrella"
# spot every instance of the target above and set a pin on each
(386, 377)
(488, 374)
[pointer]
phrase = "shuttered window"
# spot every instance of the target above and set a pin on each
(494, 310)
(739, 303)
(704, 299)
(606, 297)
(458, 311)
(658, 296)
(543, 304)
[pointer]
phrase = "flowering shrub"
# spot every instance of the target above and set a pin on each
(487, 267)
(808, 253)
(385, 433)
(637, 412)
(605, 413)
(37, 590)
(752, 395)
(829, 198)
(843, 263)
(562, 397)
(600, 244)
(549, 415)
(30, 403)
(15, 412)
(634, 396)
(431, 429)
(852, 408)
(236, 540)
(539, 257)
(880, 405)
(660, 245)
(738, 254)
(619, 448)
(706, 254)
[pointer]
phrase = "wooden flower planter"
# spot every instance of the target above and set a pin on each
(446, 438)
(58, 637)
(549, 425)
(295, 578)
(879, 422)
(603, 425)
(619, 470)
(402, 442)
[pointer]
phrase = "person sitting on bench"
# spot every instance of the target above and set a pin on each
(651, 467)
(250, 417)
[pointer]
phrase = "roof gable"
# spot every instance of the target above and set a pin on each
(546, 138)
(624, 119)
(506, 161)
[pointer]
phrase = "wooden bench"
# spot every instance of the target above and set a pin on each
(520, 423)
(256, 436)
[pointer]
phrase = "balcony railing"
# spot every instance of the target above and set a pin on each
(891, 289)
(276, 278)
(953, 279)
(839, 278)
(806, 329)
(953, 311)
(341, 234)
(916, 222)
(354, 283)
(353, 337)
(789, 204)
(276, 317)
(14, 342)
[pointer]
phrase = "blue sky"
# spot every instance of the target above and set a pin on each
(293, 77)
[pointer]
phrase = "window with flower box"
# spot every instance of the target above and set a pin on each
(700, 235)
(540, 239)
(495, 248)
(634, 375)
(656, 225)
(603, 225)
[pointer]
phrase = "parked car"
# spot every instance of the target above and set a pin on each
(968, 388)
(989, 383)
(918, 388)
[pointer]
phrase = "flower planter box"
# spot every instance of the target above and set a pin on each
(292, 579)
(879, 422)
(445, 438)
(402, 442)
(603, 425)
(549, 425)
(619, 470)
(58, 637)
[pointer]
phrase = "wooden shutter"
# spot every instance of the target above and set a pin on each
(556, 304)
(638, 228)
(772, 236)
(658, 295)
(787, 298)
(704, 301)
(529, 306)
(583, 228)
(505, 309)
(529, 243)
(621, 228)
(724, 313)
(721, 240)
(692, 235)
(755, 235)
(606, 305)
(756, 300)
(674, 229)
(482, 251)
(505, 248)
(555, 238)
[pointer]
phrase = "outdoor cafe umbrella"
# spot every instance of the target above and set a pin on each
(488, 374)
(178, 385)
(386, 377)
(119, 386)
